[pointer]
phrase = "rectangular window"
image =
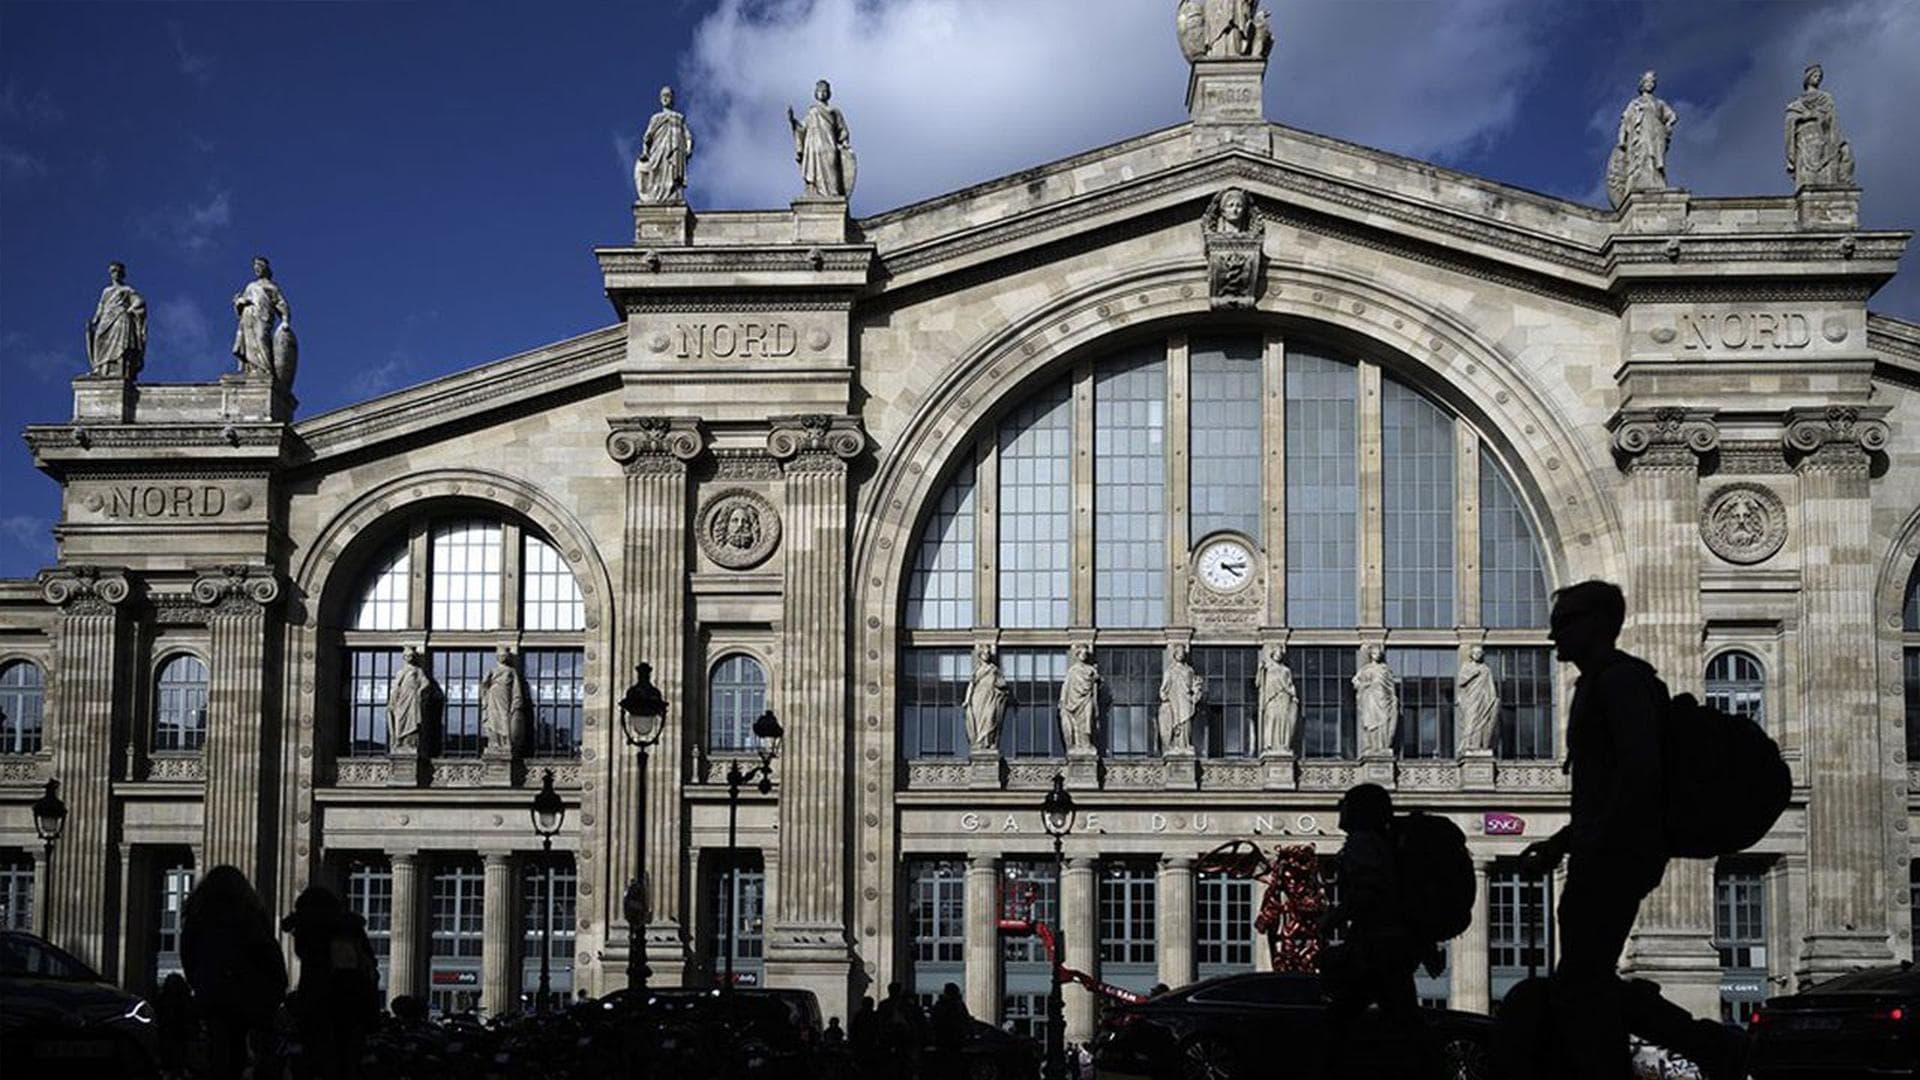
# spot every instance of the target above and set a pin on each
(180, 721)
(1129, 912)
(1519, 938)
(1323, 675)
(1525, 678)
(556, 680)
(459, 907)
(551, 600)
(1426, 700)
(1037, 890)
(176, 881)
(22, 707)
(933, 694)
(739, 896)
(459, 671)
(1513, 586)
(1130, 693)
(1223, 910)
(1416, 442)
(1025, 1014)
(1740, 937)
(1031, 727)
(937, 919)
(1434, 990)
(1130, 490)
(467, 575)
(536, 910)
(1228, 717)
(940, 588)
(1323, 492)
(369, 676)
(1036, 510)
(384, 605)
(16, 891)
(1225, 444)
(370, 896)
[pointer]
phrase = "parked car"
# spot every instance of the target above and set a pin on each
(58, 1016)
(992, 1054)
(762, 1032)
(1264, 1025)
(1863, 1024)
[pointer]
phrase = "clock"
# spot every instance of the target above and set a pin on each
(1225, 564)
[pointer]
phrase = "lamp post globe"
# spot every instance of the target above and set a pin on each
(643, 719)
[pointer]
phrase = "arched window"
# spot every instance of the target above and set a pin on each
(22, 707)
(940, 592)
(1737, 684)
(180, 705)
(736, 696)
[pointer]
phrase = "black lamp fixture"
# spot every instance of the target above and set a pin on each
(643, 719)
(547, 811)
(548, 814)
(1057, 810)
(49, 818)
(643, 711)
(1056, 815)
(767, 729)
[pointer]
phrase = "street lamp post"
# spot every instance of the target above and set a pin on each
(768, 730)
(49, 817)
(1056, 814)
(643, 719)
(548, 813)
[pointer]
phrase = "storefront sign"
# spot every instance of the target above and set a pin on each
(1495, 823)
(456, 978)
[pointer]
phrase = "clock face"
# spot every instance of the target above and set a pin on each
(1225, 565)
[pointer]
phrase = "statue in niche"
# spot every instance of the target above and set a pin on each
(411, 698)
(1181, 692)
(987, 694)
(1235, 242)
(504, 705)
(823, 147)
(117, 333)
(1279, 701)
(1223, 30)
(1477, 697)
(1079, 696)
(1639, 158)
(265, 350)
(1376, 692)
(1817, 155)
(660, 173)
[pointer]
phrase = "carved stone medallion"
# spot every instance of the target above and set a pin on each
(738, 529)
(1744, 523)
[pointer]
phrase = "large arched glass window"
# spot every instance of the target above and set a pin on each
(736, 696)
(1737, 684)
(22, 706)
(1351, 501)
(1910, 664)
(469, 584)
(180, 705)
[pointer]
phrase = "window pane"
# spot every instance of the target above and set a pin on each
(1518, 934)
(1130, 694)
(1030, 727)
(1417, 486)
(466, 575)
(538, 912)
(1223, 909)
(1130, 490)
(739, 893)
(1740, 937)
(1036, 510)
(1736, 684)
(180, 713)
(1129, 912)
(1323, 675)
(1323, 492)
(1225, 443)
(459, 671)
(551, 600)
(933, 692)
(1910, 611)
(16, 891)
(1226, 722)
(556, 679)
(1910, 677)
(22, 707)
(459, 907)
(736, 696)
(383, 606)
(369, 676)
(1426, 700)
(1038, 886)
(175, 883)
(940, 588)
(936, 919)
(1513, 585)
(1525, 678)
(370, 895)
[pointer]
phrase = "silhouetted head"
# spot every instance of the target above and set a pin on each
(951, 990)
(319, 900)
(1586, 620)
(866, 1003)
(1366, 807)
(893, 989)
(225, 898)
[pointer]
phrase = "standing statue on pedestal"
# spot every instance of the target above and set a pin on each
(1477, 697)
(504, 706)
(411, 698)
(117, 333)
(264, 350)
(660, 174)
(1639, 158)
(1279, 701)
(823, 147)
(1079, 697)
(1817, 155)
(1181, 692)
(1376, 692)
(1223, 29)
(987, 695)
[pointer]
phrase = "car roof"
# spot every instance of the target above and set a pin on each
(1892, 979)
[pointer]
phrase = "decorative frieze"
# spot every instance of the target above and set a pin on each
(1530, 776)
(25, 769)
(363, 771)
(176, 768)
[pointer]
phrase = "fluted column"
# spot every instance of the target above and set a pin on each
(1847, 861)
(1470, 988)
(237, 599)
(1176, 920)
(1078, 921)
(498, 922)
(655, 452)
(808, 943)
(983, 938)
(403, 947)
(1659, 450)
(80, 728)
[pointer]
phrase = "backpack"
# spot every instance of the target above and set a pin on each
(1437, 886)
(1726, 783)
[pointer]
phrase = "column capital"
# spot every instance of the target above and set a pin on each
(1082, 864)
(403, 856)
(655, 443)
(815, 437)
(1667, 437)
(497, 858)
(1176, 862)
(1835, 436)
(236, 589)
(86, 589)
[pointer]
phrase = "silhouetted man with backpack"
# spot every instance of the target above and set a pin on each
(1617, 734)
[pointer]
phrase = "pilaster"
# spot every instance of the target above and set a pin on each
(238, 792)
(1176, 920)
(1471, 987)
(1077, 921)
(983, 938)
(498, 923)
(403, 947)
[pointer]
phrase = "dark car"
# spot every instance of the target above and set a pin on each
(1265, 1025)
(1861, 1024)
(59, 1017)
(751, 1032)
(992, 1054)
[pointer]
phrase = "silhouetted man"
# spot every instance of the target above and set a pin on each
(1615, 838)
(1379, 950)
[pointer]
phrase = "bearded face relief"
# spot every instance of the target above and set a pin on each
(738, 529)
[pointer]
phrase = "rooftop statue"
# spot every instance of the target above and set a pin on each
(1817, 154)
(1639, 158)
(660, 173)
(823, 147)
(1223, 30)
(117, 333)
(263, 350)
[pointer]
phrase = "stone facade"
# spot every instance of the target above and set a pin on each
(743, 462)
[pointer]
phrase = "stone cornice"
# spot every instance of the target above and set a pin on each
(1836, 436)
(645, 443)
(86, 590)
(1667, 437)
(815, 435)
(785, 258)
(236, 589)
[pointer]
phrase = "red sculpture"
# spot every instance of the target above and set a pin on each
(1293, 904)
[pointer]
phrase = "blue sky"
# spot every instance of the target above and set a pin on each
(429, 179)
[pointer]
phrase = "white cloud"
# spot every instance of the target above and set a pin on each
(194, 228)
(939, 94)
(28, 531)
(33, 110)
(181, 342)
(197, 66)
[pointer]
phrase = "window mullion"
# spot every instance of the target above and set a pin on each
(419, 574)
(1179, 476)
(511, 549)
(1080, 595)
(1466, 530)
(1274, 477)
(1372, 504)
(986, 528)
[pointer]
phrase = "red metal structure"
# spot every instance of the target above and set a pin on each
(1017, 918)
(1294, 901)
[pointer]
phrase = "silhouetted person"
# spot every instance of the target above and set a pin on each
(233, 964)
(1380, 949)
(1614, 839)
(863, 1033)
(339, 982)
(902, 1031)
(174, 1023)
(833, 1036)
(952, 1023)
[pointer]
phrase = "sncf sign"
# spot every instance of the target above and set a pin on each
(1498, 824)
